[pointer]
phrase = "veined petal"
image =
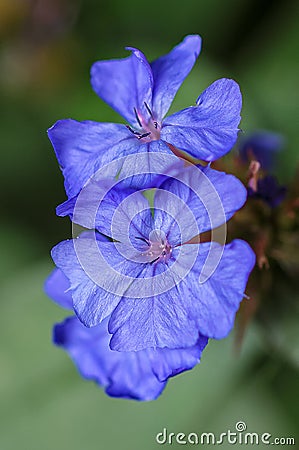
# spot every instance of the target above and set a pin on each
(122, 374)
(200, 199)
(125, 84)
(91, 303)
(98, 273)
(143, 169)
(137, 166)
(114, 213)
(101, 199)
(130, 219)
(96, 205)
(90, 351)
(57, 287)
(160, 320)
(216, 286)
(84, 147)
(170, 362)
(169, 72)
(208, 130)
(204, 301)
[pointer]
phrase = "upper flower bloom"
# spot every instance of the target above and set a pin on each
(142, 93)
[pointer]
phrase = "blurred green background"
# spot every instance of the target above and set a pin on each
(46, 50)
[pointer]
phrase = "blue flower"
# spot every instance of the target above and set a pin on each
(142, 93)
(157, 288)
(135, 375)
(269, 190)
(261, 146)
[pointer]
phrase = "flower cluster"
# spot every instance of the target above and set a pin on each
(260, 150)
(270, 222)
(147, 289)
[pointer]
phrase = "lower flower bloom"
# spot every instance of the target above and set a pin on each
(138, 375)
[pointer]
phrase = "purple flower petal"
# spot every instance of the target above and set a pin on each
(91, 302)
(205, 301)
(169, 72)
(57, 287)
(125, 84)
(202, 199)
(99, 273)
(172, 318)
(82, 148)
(208, 130)
(117, 211)
(215, 291)
(122, 374)
(170, 362)
(142, 167)
(96, 204)
(159, 320)
(134, 171)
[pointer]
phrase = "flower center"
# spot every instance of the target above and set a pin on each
(159, 249)
(152, 131)
(150, 128)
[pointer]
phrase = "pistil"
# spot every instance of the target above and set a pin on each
(150, 128)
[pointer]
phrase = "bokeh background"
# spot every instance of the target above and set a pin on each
(46, 50)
